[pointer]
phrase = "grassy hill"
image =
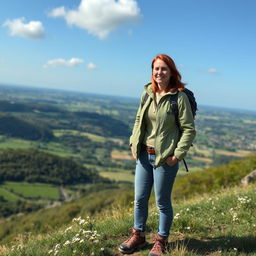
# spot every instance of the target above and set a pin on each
(31, 179)
(222, 223)
(220, 220)
(18, 128)
(36, 166)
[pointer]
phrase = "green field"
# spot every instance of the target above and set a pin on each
(15, 143)
(7, 195)
(91, 136)
(118, 176)
(13, 191)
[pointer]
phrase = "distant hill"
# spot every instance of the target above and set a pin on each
(35, 166)
(15, 127)
(10, 106)
(104, 125)
(12, 125)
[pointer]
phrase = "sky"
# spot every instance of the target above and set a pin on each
(107, 46)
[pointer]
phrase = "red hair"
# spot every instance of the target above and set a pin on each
(175, 80)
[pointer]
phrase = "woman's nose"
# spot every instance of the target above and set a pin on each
(159, 71)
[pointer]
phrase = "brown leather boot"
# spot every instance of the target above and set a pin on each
(135, 241)
(160, 245)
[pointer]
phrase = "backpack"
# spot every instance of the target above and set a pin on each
(175, 109)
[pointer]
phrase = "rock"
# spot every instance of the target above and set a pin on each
(250, 178)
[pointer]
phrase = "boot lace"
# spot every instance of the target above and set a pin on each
(158, 246)
(132, 238)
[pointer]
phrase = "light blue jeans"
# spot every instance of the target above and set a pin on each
(162, 178)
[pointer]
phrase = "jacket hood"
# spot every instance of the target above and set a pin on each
(148, 89)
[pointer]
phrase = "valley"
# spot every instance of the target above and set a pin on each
(66, 154)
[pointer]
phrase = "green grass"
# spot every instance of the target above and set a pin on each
(7, 195)
(33, 190)
(16, 143)
(118, 176)
(222, 223)
(93, 137)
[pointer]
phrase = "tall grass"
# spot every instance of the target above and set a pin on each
(222, 223)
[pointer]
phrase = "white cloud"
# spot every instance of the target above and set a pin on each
(62, 62)
(31, 30)
(58, 12)
(100, 17)
(91, 66)
(212, 70)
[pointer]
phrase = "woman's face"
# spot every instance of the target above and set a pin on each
(161, 72)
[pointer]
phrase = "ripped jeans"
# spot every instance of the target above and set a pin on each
(163, 179)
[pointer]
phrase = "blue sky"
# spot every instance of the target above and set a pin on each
(106, 46)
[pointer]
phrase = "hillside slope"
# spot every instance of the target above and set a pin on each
(15, 127)
(222, 223)
(213, 178)
(192, 186)
(212, 220)
(36, 166)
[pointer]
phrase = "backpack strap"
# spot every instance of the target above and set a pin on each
(186, 167)
(144, 99)
(174, 107)
(175, 111)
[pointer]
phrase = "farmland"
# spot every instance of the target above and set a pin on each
(94, 130)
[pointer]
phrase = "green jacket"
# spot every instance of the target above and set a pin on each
(168, 139)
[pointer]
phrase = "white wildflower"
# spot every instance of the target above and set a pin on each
(67, 229)
(87, 232)
(67, 243)
(235, 218)
(82, 221)
(177, 216)
(244, 200)
(76, 239)
(57, 246)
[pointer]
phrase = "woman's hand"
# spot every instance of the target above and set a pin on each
(172, 160)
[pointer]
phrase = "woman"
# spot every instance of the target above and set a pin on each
(158, 144)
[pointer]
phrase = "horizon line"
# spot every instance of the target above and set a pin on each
(112, 95)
